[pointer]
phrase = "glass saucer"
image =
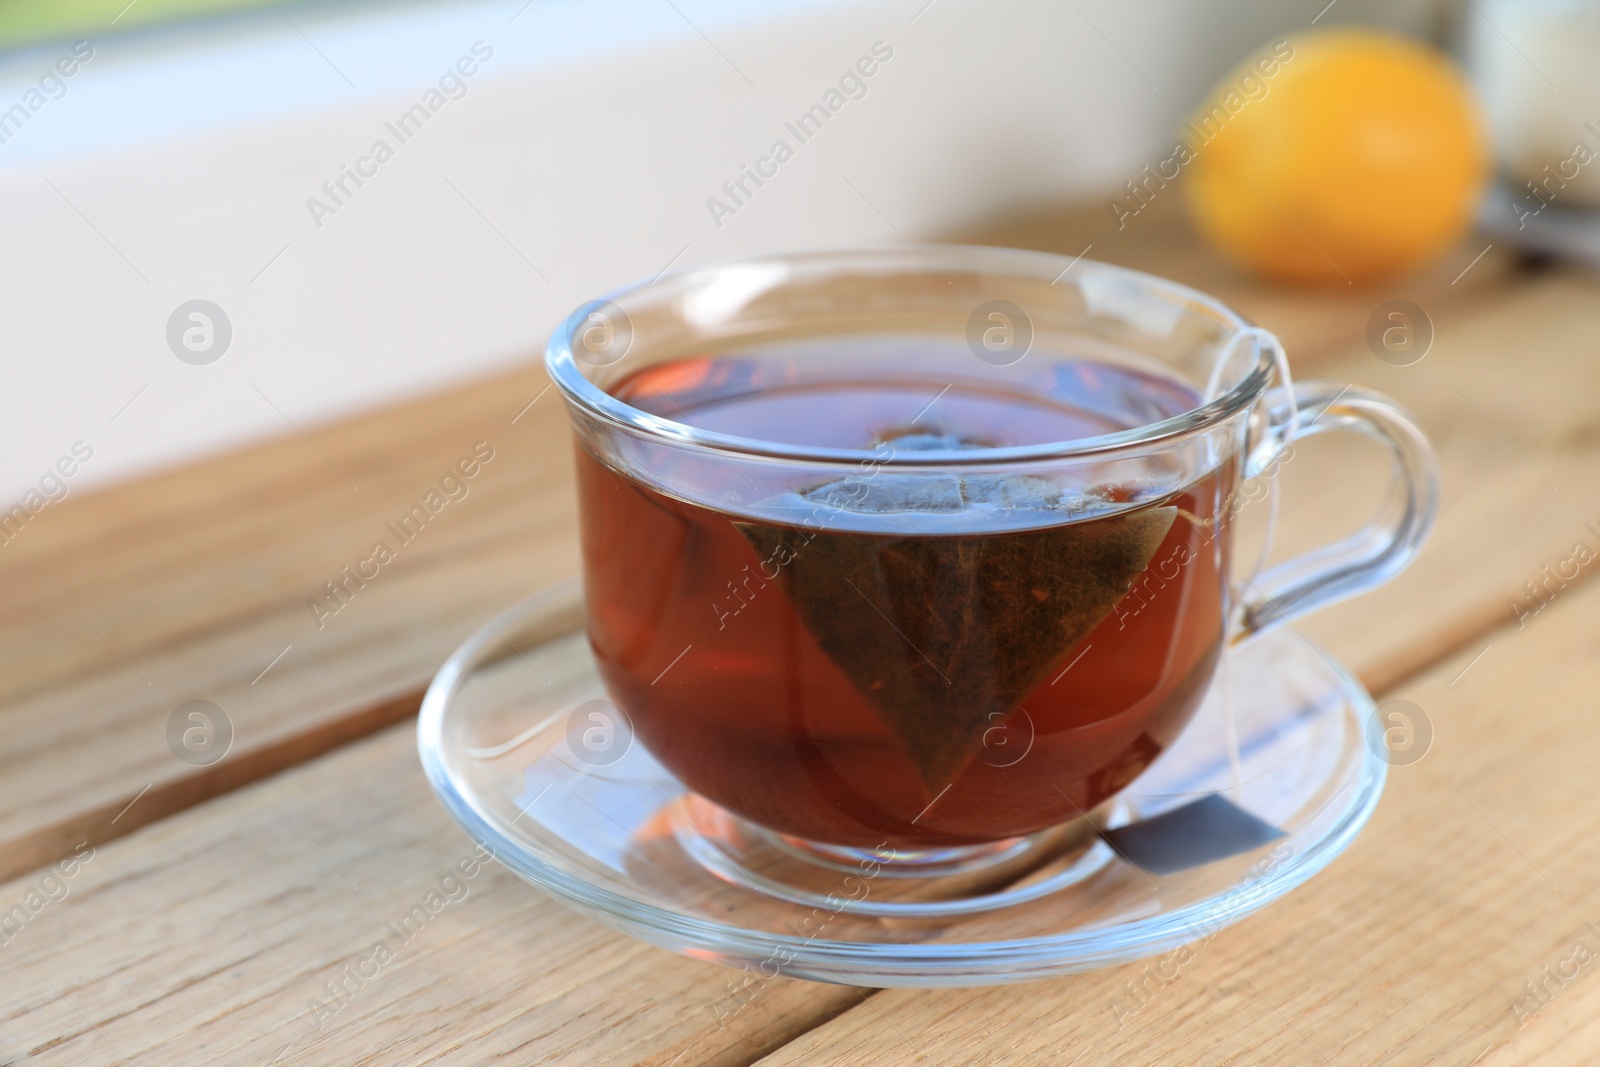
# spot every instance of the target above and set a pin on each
(526, 752)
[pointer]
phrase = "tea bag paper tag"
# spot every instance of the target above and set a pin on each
(1198, 833)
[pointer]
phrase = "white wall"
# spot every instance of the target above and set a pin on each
(178, 165)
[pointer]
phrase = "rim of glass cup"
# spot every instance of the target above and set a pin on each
(562, 364)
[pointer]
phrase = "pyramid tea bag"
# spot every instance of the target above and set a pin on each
(945, 633)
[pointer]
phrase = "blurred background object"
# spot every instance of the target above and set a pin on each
(1543, 96)
(1536, 64)
(1337, 157)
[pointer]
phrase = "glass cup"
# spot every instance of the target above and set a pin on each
(925, 639)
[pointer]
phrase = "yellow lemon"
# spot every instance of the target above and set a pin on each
(1337, 156)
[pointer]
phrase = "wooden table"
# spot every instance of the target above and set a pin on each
(203, 911)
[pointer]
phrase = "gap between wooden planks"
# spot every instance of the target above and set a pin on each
(242, 917)
(194, 584)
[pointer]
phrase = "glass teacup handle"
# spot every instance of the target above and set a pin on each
(1375, 553)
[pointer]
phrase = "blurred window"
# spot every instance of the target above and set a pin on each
(26, 22)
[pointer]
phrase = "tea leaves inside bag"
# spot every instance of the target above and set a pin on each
(944, 634)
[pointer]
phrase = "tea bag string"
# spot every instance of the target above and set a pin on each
(1280, 360)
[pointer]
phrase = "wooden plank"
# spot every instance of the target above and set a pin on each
(157, 562)
(191, 585)
(341, 690)
(214, 935)
(121, 605)
(1566, 1022)
(1476, 875)
(1311, 322)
